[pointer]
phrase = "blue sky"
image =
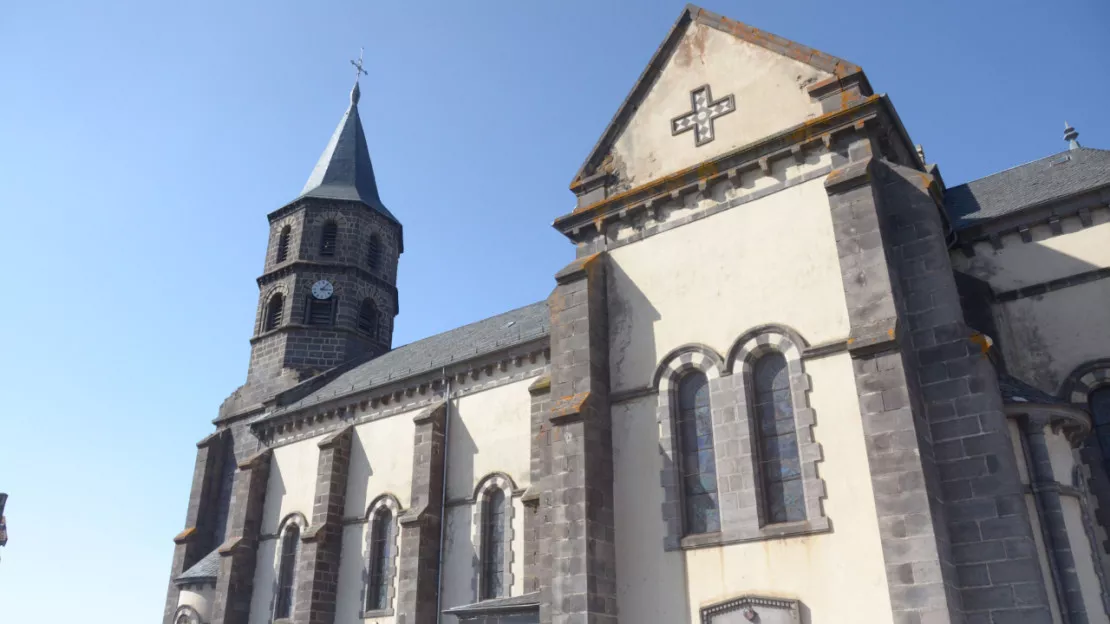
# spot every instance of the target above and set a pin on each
(143, 144)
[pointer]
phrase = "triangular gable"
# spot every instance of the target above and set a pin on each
(824, 65)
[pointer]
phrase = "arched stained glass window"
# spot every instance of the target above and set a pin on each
(287, 570)
(381, 558)
(699, 462)
(1099, 402)
(779, 464)
(493, 545)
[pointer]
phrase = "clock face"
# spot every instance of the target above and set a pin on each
(322, 289)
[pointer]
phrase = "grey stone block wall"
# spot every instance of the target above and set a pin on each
(983, 496)
(318, 564)
(957, 539)
(920, 575)
(197, 540)
(238, 554)
(577, 548)
(418, 576)
(534, 516)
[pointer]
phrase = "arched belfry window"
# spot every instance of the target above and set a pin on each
(287, 571)
(283, 244)
(374, 255)
(701, 513)
(381, 559)
(493, 545)
(274, 309)
(328, 236)
(779, 464)
(368, 317)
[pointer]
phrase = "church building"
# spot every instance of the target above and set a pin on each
(790, 377)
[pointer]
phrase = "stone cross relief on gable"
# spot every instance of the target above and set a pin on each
(700, 119)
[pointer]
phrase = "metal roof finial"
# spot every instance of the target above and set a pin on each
(358, 71)
(1071, 136)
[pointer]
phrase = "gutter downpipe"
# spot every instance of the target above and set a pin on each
(443, 499)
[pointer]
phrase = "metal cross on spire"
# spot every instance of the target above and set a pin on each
(359, 71)
(358, 66)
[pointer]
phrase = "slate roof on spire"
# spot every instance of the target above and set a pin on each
(344, 170)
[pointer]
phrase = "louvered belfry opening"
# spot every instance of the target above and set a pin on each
(274, 311)
(327, 238)
(321, 311)
(374, 256)
(368, 317)
(283, 244)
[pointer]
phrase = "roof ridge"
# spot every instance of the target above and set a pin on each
(1031, 162)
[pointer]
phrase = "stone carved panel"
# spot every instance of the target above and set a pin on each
(753, 609)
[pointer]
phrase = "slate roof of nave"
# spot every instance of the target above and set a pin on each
(205, 569)
(1042, 181)
(486, 336)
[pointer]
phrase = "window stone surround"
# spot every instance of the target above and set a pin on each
(737, 474)
(390, 502)
(504, 483)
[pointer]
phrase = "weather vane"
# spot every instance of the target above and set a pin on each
(358, 66)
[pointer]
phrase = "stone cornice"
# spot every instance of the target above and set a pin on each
(1045, 213)
(404, 394)
(297, 266)
(755, 156)
(301, 202)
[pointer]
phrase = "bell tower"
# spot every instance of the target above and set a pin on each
(328, 291)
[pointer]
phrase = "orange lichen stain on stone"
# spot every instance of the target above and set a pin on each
(982, 341)
(184, 536)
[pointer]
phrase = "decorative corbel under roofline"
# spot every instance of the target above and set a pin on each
(754, 156)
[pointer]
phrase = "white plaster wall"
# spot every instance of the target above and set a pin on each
(381, 462)
(1046, 337)
(291, 488)
(292, 484)
(1046, 257)
(1084, 564)
(265, 577)
(490, 432)
(839, 576)
(199, 599)
(773, 260)
(459, 555)
(770, 93)
(1060, 455)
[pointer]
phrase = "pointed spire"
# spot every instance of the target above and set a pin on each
(1071, 136)
(344, 170)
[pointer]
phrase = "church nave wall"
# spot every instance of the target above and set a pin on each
(838, 575)
(772, 260)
